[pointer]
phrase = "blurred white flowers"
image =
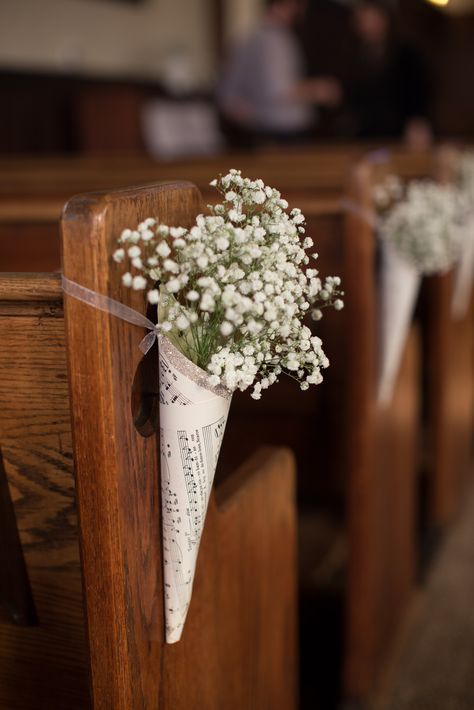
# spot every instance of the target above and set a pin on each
(425, 226)
(466, 176)
(234, 289)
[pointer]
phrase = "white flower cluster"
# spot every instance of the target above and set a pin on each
(466, 176)
(388, 191)
(233, 291)
(425, 226)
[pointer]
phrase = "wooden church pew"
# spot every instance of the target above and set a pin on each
(29, 234)
(238, 646)
(328, 219)
(307, 424)
(448, 380)
(449, 384)
(33, 190)
(372, 495)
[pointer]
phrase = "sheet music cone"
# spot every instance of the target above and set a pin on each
(464, 274)
(400, 283)
(193, 415)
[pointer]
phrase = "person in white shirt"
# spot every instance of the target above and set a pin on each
(263, 90)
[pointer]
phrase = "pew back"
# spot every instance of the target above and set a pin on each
(117, 485)
(238, 647)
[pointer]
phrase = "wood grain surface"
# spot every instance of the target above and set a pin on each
(238, 647)
(448, 347)
(381, 465)
(42, 667)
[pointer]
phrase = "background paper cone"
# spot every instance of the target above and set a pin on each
(399, 286)
(193, 416)
(464, 274)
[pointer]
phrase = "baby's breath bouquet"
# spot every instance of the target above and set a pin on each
(466, 176)
(233, 293)
(420, 226)
(464, 277)
(425, 225)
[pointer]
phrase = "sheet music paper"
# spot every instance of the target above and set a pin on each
(193, 416)
(399, 287)
(464, 274)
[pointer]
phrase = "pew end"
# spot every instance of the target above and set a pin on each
(239, 643)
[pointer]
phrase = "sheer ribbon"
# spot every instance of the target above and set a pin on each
(367, 215)
(115, 308)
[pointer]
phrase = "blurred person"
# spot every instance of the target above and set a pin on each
(388, 91)
(263, 94)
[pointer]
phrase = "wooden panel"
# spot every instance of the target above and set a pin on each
(237, 648)
(15, 589)
(381, 493)
(449, 391)
(41, 667)
(30, 245)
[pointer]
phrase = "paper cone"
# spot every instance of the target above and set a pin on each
(464, 274)
(193, 416)
(399, 286)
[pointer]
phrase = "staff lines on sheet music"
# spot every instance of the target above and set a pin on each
(169, 530)
(212, 444)
(169, 393)
(195, 481)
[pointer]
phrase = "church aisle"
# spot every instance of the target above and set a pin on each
(436, 661)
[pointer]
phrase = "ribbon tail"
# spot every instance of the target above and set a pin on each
(148, 341)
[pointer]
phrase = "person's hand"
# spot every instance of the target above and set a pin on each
(239, 111)
(326, 91)
(418, 135)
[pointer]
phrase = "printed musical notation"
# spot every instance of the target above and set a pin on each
(192, 420)
(169, 392)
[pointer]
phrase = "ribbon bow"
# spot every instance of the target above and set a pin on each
(115, 308)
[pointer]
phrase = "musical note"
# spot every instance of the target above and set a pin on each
(193, 421)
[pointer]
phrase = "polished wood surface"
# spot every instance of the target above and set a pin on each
(42, 666)
(381, 466)
(239, 645)
(238, 649)
(448, 346)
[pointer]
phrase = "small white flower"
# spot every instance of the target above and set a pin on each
(125, 236)
(207, 302)
(173, 286)
(119, 255)
(127, 279)
(153, 296)
(222, 243)
(259, 197)
(226, 328)
(139, 283)
(182, 322)
(177, 232)
(134, 252)
(171, 266)
(163, 249)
